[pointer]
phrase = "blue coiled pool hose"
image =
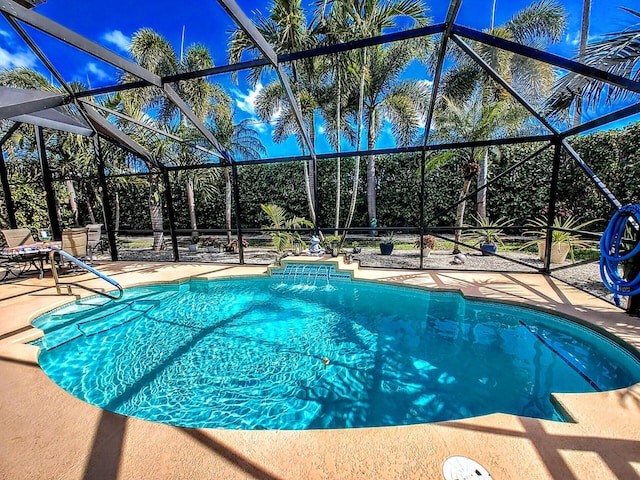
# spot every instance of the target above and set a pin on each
(610, 256)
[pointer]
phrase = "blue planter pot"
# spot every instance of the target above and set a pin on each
(488, 248)
(386, 248)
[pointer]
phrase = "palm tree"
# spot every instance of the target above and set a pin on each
(68, 153)
(243, 143)
(473, 119)
(153, 52)
(201, 180)
(617, 53)
(287, 30)
(539, 24)
(280, 224)
(399, 102)
(116, 162)
(368, 19)
(584, 37)
(333, 30)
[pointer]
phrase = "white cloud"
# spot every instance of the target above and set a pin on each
(247, 103)
(118, 38)
(257, 125)
(14, 55)
(17, 59)
(574, 39)
(96, 71)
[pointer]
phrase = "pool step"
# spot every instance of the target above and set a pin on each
(59, 320)
(73, 321)
(102, 325)
(93, 308)
(60, 337)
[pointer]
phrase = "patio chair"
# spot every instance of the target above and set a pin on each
(16, 264)
(94, 242)
(16, 237)
(75, 242)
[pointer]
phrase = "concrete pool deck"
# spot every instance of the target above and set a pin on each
(47, 433)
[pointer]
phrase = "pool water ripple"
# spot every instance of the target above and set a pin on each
(257, 353)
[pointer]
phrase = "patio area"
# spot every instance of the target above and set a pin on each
(47, 433)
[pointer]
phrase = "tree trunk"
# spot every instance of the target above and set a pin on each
(371, 173)
(227, 203)
(307, 188)
(91, 194)
(73, 204)
(312, 169)
(155, 211)
(92, 217)
(117, 213)
(309, 179)
(584, 35)
(481, 196)
(192, 206)
(460, 216)
(356, 168)
(338, 162)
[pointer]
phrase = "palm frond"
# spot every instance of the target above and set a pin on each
(541, 23)
(617, 53)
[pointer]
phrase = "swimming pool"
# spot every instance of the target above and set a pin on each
(265, 353)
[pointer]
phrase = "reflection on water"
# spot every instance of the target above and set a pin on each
(267, 353)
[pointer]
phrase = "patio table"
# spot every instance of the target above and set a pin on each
(29, 255)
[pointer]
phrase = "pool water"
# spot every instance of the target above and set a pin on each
(261, 353)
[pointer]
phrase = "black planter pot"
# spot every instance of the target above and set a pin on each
(386, 248)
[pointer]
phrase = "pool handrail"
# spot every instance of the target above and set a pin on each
(54, 270)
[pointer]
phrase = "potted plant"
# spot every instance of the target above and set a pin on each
(282, 228)
(386, 245)
(487, 234)
(193, 246)
(356, 247)
(562, 242)
(232, 246)
(332, 244)
(210, 243)
(428, 243)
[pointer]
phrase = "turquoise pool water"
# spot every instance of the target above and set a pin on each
(265, 353)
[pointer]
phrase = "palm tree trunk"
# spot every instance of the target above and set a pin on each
(307, 189)
(309, 178)
(481, 197)
(117, 213)
(356, 168)
(338, 162)
(192, 206)
(371, 173)
(584, 35)
(73, 204)
(227, 203)
(92, 217)
(460, 216)
(312, 169)
(155, 211)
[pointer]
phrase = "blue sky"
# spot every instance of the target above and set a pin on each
(112, 24)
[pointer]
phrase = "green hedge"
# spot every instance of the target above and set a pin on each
(519, 195)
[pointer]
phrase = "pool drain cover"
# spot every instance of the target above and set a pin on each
(463, 468)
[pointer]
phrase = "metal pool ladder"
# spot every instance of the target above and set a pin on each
(84, 266)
